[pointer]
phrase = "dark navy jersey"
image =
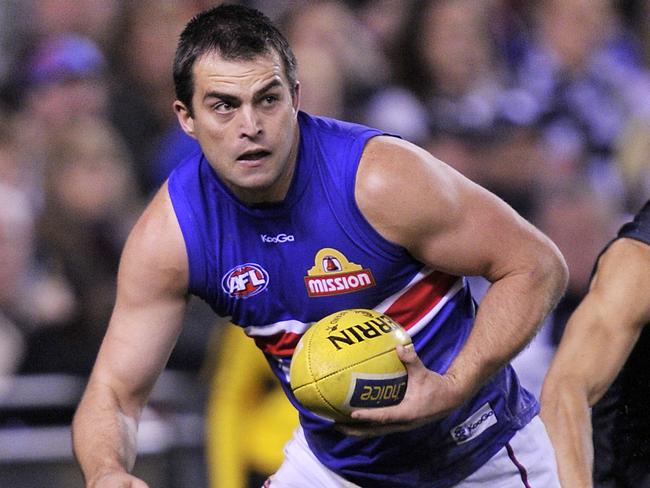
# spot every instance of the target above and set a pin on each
(622, 417)
(276, 269)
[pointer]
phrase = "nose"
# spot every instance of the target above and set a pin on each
(250, 124)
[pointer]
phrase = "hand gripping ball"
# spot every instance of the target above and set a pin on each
(348, 360)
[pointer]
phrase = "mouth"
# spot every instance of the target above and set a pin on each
(253, 155)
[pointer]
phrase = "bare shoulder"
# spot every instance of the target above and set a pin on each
(623, 265)
(395, 178)
(407, 194)
(622, 280)
(628, 249)
(389, 163)
(155, 250)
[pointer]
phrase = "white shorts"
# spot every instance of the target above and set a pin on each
(526, 461)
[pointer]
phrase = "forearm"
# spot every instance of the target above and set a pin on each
(567, 417)
(594, 347)
(508, 317)
(104, 434)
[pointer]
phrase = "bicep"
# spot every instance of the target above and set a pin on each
(149, 309)
(441, 217)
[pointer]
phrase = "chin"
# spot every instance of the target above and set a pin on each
(258, 190)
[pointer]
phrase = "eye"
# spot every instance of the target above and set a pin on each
(269, 99)
(222, 107)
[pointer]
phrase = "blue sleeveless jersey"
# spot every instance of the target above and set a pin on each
(276, 269)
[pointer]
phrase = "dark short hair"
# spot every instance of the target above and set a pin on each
(235, 32)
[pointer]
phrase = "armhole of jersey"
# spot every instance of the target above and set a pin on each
(639, 226)
(191, 235)
(637, 229)
(362, 226)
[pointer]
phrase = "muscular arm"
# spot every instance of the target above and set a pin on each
(598, 339)
(146, 321)
(453, 225)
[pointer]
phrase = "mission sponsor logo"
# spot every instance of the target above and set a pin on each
(245, 280)
(479, 421)
(333, 274)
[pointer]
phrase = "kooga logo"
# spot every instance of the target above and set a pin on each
(279, 239)
(480, 420)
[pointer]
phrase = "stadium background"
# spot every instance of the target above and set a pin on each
(546, 103)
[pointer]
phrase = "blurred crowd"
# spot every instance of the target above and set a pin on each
(544, 102)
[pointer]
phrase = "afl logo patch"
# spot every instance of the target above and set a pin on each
(245, 280)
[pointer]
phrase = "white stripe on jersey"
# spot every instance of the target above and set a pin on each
(294, 326)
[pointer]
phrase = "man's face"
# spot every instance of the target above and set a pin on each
(245, 120)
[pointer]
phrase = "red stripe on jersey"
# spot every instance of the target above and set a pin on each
(280, 344)
(416, 302)
(407, 310)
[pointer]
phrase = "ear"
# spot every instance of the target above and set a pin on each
(296, 97)
(184, 118)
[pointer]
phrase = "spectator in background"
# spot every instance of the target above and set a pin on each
(453, 75)
(457, 72)
(393, 106)
(324, 80)
(30, 299)
(330, 28)
(509, 159)
(510, 22)
(15, 246)
(94, 19)
(65, 78)
(386, 22)
(90, 203)
(144, 90)
(589, 88)
(633, 149)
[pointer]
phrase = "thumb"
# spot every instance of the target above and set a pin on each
(408, 356)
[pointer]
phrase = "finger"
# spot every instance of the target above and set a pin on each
(382, 415)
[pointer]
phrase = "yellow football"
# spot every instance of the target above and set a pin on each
(348, 360)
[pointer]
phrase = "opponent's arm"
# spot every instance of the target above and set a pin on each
(453, 225)
(596, 343)
(146, 321)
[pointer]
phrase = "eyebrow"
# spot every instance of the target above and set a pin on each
(227, 97)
